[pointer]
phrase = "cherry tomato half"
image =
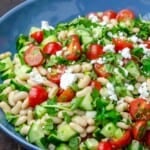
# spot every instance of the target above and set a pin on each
(121, 44)
(139, 109)
(51, 48)
(125, 14)
(110, 14)
(33, 56)
(123, 141)
(147, 43)
(94, 51)
(100, 70)
(38, 36)
(66, 96)
(104, 145)
(37, 95)
(74, 48)
(95, 84)
(139, 129)
(147, 138)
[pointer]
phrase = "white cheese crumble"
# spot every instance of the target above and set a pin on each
(129, 87)
(59, 53)
(99, 61)
(36, 77)
(125, 53)
(111, 91)
(93, 18)
(67, 79)
(45, 25)
(109, 47)
(135, 39)
(143, 90)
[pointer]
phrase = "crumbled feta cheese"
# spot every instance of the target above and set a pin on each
(36, 77)
(100, 60)
(111, 91)
(120, 62)
(129, 87)
(59, 53)
(125, 53)
(93, 18)
(67, 79)
(45, 25)
(109, 47)
(135, 39)
(143, 90)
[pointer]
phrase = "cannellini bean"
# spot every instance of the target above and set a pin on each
(135, 30)
(90, 121)
(23, 112)
(5, 107)
(125, 115)
(25, 103)
(86, 67)
(42, 70)
(84, 82)
(4, 55)
(137, 85)
(80, 120)
(83, 135)
(104, 92)
(84, 91)
(23, 77)
(122, 125)
(29, 116)
(21, 81)
(90, 129)
(16, 109)
(20, 96)
(21, 120)
(7, 90)
(141, 79)
(79, 112)
(75, 68)
(128, 99)
(122, 107)
(31, 83)
(49, 83)
(102, 80)
(148, 84)
(52, 91)
(56, 120)
(11, 99)
(24, 130)
(76, 127)
(62, 35)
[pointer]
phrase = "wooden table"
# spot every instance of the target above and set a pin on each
(6, 143)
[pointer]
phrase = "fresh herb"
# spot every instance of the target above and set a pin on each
(66, 117)
(146, 66)
(138, 52)
(74, 143)
(11, 117)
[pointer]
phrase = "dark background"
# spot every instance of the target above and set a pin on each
(6, 143)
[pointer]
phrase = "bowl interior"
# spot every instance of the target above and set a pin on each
(31, 12)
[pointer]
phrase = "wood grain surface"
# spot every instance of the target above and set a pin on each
(6, 143)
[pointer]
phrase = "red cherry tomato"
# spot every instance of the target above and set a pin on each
(110, 14)
(95, 84)
(51, 48)
(94, 51)
(100, 70)
(38, 36)
(121, 44)
(33, 56)
(125, 14)
(123, 141)
(147, 43)
(139, 109)
(37, 95)
(147, 138)
(66, 96)
(139, 129)
(104, 145)
(74, 48)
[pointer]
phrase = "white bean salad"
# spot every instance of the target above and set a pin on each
(81, 85)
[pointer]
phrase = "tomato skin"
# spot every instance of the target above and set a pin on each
(37, 95)
(148, 43)
(100, 70)
(139, 109)
(51, 48)
(147, 138)
(74, 48)
(139, 129)
(121, 44)
(104, 145)
(54, 77)
(110, 14)
(95, 84)
(38, 36)
(66, 96)
(125, 14)
(94, 51)
(33, 56)
(123, 141)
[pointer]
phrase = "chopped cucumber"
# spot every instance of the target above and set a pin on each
(5, 64)
(118, 133)
(108, 130)
(63, 147)
(65, 132)
(91, 144)
(86, 103)
(135, 145)
(7, 74)
(39, 111)
(133, 69)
